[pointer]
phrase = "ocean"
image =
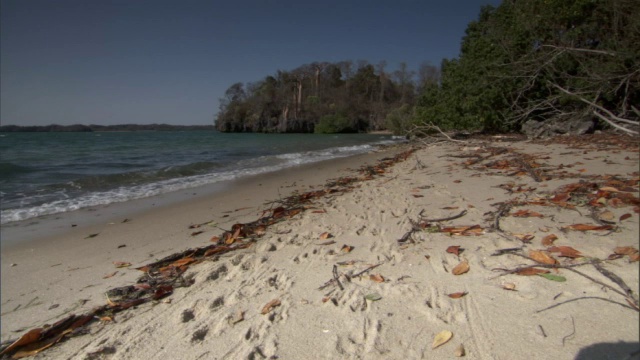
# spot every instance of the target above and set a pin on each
(49, 173)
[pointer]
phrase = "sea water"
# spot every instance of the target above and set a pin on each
(49, 173)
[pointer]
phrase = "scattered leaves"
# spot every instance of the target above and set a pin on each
(457, 295)
(441, 338)
(270, 306)
(461, 268)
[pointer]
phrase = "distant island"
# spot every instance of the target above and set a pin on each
(95, 128)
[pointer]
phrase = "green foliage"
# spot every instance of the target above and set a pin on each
(336, 123)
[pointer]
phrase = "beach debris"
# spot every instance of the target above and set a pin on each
(549, 239)
(237, 317)
(457, 295)
(196, 233)
(377, 278)
(270, 306)
(92, 235)
(565, 251)
(13, 264)
(373, 297)
(587, 227)
(441, 338)
(121, 264)
(624, 217)
(509, 286)
(525, 238)
(530, 271)
(455, 250)
(542, 257)
(325, 235)
(625, 250)
(526, 214)
(121, 246)
(461, 268)
(110, 275)
(459, 351)
(330, 242)
(470, 230)
(346, 248)
(552, 277)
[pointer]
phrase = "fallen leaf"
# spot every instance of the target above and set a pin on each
(377, 278)
(606, 215)
(319, 212)
(325, 235)
(346, 248)
(634, 257)
(525, 238)
(270, 305)
(625, 250)
(37, 347)
(183, 261)
(442, 338)
(587, 227)
(461, 268)
(614, 257)
(609, 188)
(106, 318)
(549, 239)
(542, 257)
(110, 275)
(624, 217)
(565, 251)
(455, 250)
(557, 278)
(509, 286)
(531, 271)
(29, 337)
(121, 264)
(457, 295)
(615, 202)
(373, 297)
(527, 213)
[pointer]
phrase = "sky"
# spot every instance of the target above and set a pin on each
(113, 62)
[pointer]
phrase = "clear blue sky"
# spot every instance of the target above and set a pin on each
(157, 61)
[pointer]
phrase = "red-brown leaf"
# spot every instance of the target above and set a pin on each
(565, 251)
(587, 227)
(270, 305)
(461, 268)
(625, 250)
(542, 257)
(526, 213)
(455, 250)
(625, 217)
(531, 271)
(549, 239)
(325, 235)
(29, 337)
(457, 295)
(377, 278)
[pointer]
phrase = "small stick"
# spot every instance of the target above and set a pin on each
(573, 323)
(367, 269)
(461, 214)
(336, 277)
(541, 329)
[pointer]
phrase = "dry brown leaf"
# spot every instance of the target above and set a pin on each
(542, 257)
(325, 235)
(121, 264)
(457, 295)
(525, 238)
(441, 338)
(110, 275)
(106, 318)
(634, 257)
(606, 215)
(565, 251)
(587, 227)
(454, 249)
(609, 188)
(531, 271)
(624, 217)
(625, 250)
(377, 278)
(527, 213)
(29, 337)
(39, 346)
(509, 286)
(461, 268)
(270, 305)
(549, 239)
(346, 248)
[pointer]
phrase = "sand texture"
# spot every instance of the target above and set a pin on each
(441, 239)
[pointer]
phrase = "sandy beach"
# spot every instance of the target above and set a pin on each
(483, 249)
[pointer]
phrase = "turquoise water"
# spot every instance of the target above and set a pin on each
(48, 173)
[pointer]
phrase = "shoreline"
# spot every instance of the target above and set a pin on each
(383, 281)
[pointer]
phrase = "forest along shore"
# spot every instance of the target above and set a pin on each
(486, 249)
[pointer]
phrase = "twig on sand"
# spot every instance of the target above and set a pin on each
(573, 323)
(461, 214)
(336, 277)
(365, 270)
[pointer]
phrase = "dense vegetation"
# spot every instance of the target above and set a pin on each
(90, 128)
(526, 60)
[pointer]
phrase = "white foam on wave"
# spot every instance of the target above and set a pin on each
(254, 166)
